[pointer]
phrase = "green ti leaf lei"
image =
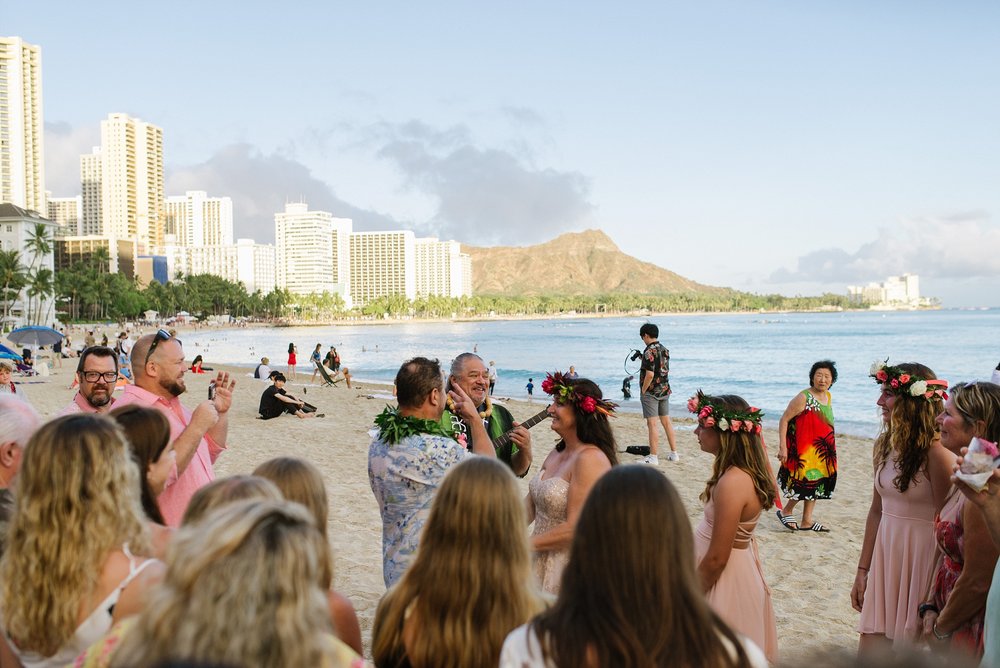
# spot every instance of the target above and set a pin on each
(394, 427)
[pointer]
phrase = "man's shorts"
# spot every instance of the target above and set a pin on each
(653, 406)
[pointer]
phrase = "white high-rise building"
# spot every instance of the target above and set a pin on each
(17, 226)
(244, 262)
(66, 213)
(90, 192)
(22, 129)
(307, 258)
(196, 219)
(440, 268)
(382, 264)
(132, 180)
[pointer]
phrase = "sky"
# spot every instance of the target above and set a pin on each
(764, 145)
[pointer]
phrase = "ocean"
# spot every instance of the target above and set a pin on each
(763, 357)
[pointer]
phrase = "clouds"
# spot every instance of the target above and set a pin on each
(484, 196)
(64, 145)
(261, 184)
(965, 245)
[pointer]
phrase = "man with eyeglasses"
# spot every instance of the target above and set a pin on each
(198, 436)
(97, 373)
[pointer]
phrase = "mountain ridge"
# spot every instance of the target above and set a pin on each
(584, 263)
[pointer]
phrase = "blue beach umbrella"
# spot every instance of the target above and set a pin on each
(8, 354)
(34, 335)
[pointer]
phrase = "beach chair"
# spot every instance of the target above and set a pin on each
(324, 373)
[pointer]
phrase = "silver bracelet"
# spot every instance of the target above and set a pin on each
(938, 635)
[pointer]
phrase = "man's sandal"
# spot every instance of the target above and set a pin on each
(788, 521)
(815, 526)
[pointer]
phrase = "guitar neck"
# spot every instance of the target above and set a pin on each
(504, 439)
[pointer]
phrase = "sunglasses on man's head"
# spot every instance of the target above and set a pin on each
(161, 335)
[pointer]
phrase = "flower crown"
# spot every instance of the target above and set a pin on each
(556, 384)
(713, 414)
(898, 382)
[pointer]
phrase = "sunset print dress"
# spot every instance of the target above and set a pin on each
(810, 471)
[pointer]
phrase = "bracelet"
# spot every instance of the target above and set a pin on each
(923, 608)
(938, 635)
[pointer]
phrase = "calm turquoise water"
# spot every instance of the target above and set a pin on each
(764, 358)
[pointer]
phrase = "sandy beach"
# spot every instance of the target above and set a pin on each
(810, 574)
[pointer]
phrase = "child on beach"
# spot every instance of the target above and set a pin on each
(530, 387)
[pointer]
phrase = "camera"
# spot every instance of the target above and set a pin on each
(635, 355)
(211, 390)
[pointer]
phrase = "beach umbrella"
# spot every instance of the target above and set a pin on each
(34, 335)
(8, 354)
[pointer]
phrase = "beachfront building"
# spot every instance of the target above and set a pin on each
(309, 251)
(383, 264)
(131, 176)
(441, 268)
(120, 253)
(896, 292)
(22, 128)
(66, 213)
(195, 219)
(90, 193)
(246, 262)
(17, 226)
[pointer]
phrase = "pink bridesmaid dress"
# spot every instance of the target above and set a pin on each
(741, 596)
(903, 559)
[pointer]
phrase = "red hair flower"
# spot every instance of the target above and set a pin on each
(588, 405)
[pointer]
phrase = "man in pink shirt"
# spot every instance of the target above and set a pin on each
(198, 437)
(97, 373)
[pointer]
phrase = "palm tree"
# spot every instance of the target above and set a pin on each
(13, 276)
(39, 243)
(40, 288)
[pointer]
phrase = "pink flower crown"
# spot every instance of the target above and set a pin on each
(556, 384)
(713, 414)
(900, 383)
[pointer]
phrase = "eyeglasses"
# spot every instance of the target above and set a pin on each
(161, 335)
(93, 376)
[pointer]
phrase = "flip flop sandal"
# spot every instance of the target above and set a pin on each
(787, 521)
(817, 527)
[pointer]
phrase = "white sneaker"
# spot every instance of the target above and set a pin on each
(651, 459)
(673, 457)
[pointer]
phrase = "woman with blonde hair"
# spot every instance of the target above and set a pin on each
(606, 615)
(228, 490)
(70, 570)
(912, 479)
(301, 482)
(147, 431)
(471, 581)
(241, 589)
(740, 489)
(955, 606)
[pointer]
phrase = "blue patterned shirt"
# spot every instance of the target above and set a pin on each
(404, 477)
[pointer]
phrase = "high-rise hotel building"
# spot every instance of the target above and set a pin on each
(383, 264)
(66, 213)
(195, 219)
(90, 192)
(132, 180)
(442, 269)
(310, 250)
(22, 129)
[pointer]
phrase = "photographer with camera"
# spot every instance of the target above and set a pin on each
(654, 393)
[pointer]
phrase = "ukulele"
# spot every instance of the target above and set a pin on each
(504, 439)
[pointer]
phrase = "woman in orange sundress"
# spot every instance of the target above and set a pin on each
(912, 478)
(740, 489)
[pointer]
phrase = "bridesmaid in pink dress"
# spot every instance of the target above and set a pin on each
(741, 487)
(556, 494)
(912, 477)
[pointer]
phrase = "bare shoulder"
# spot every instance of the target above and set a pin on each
(591, 458)
(939, 458)
(733, 481)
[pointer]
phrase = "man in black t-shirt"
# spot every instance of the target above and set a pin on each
(275, 401)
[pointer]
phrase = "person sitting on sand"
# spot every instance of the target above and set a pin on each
(275, 402)
(263, 370)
